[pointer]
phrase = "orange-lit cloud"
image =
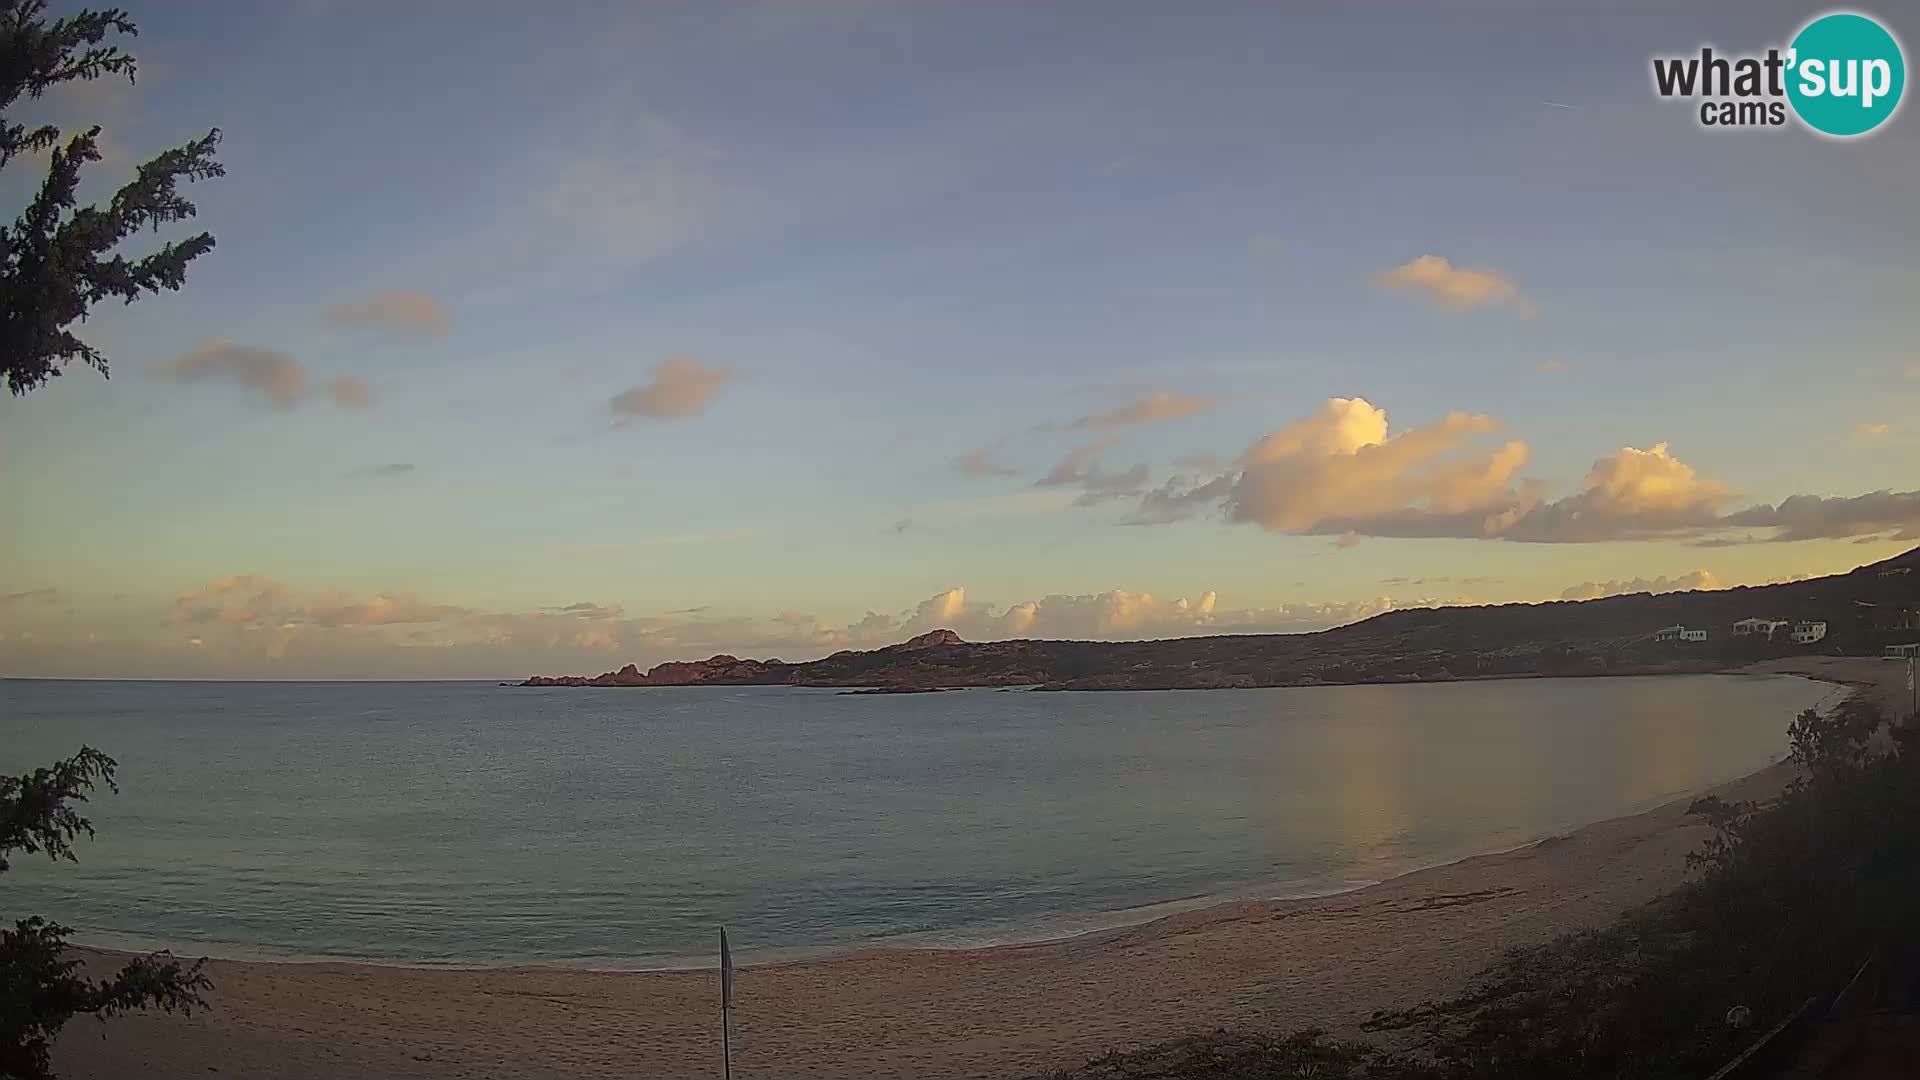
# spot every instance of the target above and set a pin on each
(270, 373)
(1631, 495)
(1342, 472)
(681, 386)
(1454, 288)
(351, 392)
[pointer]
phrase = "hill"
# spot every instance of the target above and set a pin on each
(1864, 610)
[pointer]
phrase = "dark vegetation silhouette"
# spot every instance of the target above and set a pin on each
(1788, 899)
(58, 260)
(42, 985)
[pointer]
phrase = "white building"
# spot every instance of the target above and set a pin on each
(1678, 632)
(1806, 632)
(1764, 627)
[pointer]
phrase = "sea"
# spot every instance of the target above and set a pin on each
(466, 823)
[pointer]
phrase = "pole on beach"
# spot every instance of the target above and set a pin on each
(726, 1007)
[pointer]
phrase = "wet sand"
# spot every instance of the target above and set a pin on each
(1004, 1011)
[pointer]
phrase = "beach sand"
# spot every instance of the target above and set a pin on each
(1005, 1011)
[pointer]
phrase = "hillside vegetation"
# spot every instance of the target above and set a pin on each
(1864, 610)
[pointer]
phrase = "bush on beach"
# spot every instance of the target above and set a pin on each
(1787, 899)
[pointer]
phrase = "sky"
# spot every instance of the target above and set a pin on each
(548, 338)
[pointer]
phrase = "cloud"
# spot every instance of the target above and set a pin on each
(252, 601)
(980, 462)
(1814, 517)
(1152, 409)
(1453, 288)
(1553, 364)
(1631, 495)
(1342, 472)
(398, 468)
(901, 526)
(351, 392)
(588, 610)
(681, 387)
(384, 609)
(400, 312)
(1117, 614)
(31, 596)
(268, 372)
(1179, 498)
(1081, 468)
(236, 600)
(1687, 582)
(1872, 430)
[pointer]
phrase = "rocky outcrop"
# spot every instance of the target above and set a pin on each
(717, 670)
(930, 640)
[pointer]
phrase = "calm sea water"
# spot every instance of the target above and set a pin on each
(470, 823)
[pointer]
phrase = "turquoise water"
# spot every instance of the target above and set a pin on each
(474, 824)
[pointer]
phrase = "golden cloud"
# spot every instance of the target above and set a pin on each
(1453, 288)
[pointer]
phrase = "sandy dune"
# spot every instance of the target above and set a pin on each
(988, 1012)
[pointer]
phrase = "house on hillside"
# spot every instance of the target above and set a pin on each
(1765, 628)
(1677, 632)
(1901, 652)
(1808, 631)
(1896, 571)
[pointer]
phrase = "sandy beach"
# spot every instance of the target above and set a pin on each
(1006, 1011)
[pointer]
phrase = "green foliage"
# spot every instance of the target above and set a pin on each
(1788, 898)
(56, 259)
(41, 985)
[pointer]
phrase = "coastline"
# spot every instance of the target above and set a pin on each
(1012, 1009)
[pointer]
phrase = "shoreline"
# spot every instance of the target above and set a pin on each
(1017, 1008)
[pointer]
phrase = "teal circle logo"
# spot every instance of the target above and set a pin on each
(1845, 74)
